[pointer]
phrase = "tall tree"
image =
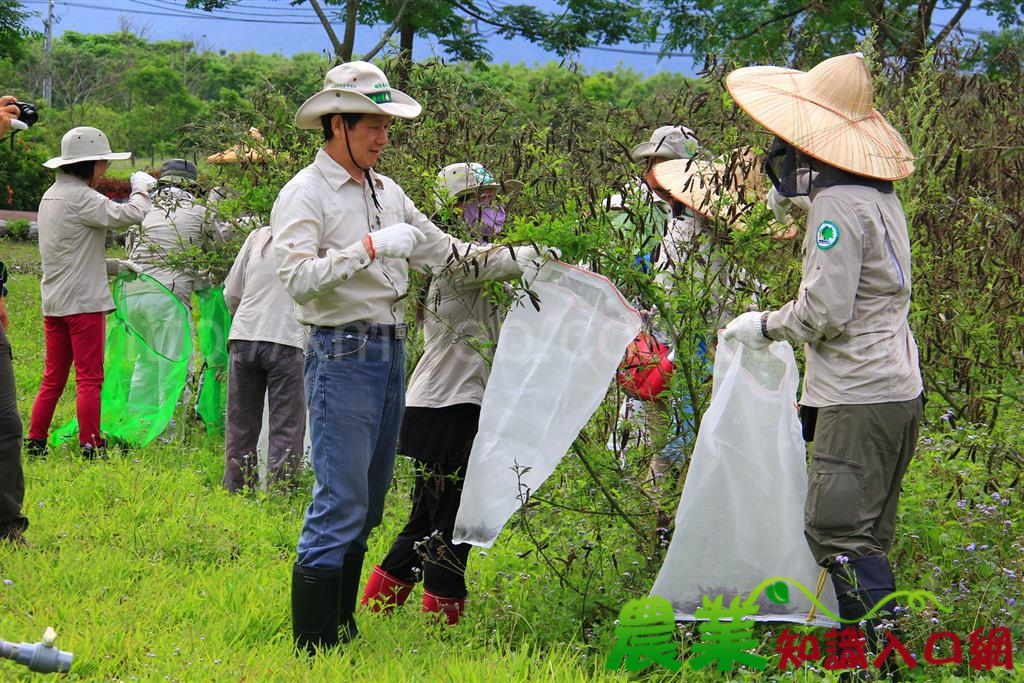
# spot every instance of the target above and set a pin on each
(455, 23)
(803, 31)
(13, 29)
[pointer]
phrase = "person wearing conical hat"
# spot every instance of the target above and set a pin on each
(345, 238)
(700, 192)
(862, 382)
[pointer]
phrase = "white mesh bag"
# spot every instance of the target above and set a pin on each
(551, 370)
(741, 516)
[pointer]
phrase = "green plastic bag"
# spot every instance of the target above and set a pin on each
(214, 325)
(145, 366)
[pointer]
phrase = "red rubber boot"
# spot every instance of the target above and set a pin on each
(384, 592)
(451, 608)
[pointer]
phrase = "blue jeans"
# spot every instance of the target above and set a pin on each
(355, 392)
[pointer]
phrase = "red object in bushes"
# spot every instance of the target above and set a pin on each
(113, 188)
(646, 370)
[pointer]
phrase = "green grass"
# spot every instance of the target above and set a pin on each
(150, 571)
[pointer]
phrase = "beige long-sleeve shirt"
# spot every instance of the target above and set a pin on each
(322, 211)
(73, 220)
(174, 224)
(854, 300)
(262, 309)
(460, 332)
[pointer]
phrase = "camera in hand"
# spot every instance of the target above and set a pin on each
(28, 113)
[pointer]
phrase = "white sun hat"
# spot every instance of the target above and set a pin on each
(356, 88)
(667, 142)
(455, 180)
(84, 144)
(827, 113)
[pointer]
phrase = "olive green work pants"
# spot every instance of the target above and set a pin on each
(860, 455)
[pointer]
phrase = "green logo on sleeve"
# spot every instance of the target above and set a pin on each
(828, 235)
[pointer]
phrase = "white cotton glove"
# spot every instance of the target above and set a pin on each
(142, 182)
(779, 204)
(116, 266)
(395, 241)
(747, 330)
(530, 260)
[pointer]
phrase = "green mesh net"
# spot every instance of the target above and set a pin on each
(145, 367)
(213, 327)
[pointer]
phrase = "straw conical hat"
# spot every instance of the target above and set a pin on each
(707, 188)
(255, 151)
(826, 112)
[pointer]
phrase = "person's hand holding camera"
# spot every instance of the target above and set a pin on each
(8, 112)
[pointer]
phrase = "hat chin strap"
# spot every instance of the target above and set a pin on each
(348, 147)
(365, 169)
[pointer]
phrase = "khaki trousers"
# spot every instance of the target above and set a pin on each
(860, 455)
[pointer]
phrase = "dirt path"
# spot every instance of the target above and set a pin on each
(7, 215)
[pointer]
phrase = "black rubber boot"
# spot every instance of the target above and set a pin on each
(861, 584)
(36, 448)
(351, 572)
(315, 608)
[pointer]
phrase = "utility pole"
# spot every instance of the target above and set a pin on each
(47, 47)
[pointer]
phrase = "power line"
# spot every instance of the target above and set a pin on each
(201, 14)
(179, 15)
(308, 14)
(244, 5)
(649, 53)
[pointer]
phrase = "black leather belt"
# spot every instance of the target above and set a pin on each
(371, 330)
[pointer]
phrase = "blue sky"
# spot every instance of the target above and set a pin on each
(266, 26)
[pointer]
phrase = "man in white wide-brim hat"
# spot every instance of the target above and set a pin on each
(344, 240)
(862, 378)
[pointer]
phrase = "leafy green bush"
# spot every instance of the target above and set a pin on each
(23, 178)
(17, 228)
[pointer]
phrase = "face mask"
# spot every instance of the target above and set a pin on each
(488, 219)
(788, 170)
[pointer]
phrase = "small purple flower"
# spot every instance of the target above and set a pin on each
(970, 547)
(961, 503)
(842, 559)
(984, 547)
(995, 496)
(1011, 602)
(1004, 501)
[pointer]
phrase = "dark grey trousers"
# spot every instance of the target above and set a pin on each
(12, 479)
(861, 453)
(256, 368)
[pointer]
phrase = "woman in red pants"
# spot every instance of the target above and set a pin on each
(73, 220)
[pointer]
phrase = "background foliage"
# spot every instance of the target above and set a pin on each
(544, 600)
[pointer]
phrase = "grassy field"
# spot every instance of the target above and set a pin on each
(150, 571)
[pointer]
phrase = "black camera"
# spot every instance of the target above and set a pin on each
(27, 113)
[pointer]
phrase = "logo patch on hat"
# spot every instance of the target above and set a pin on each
(828, 235)
(382, 97)
(484, 176)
